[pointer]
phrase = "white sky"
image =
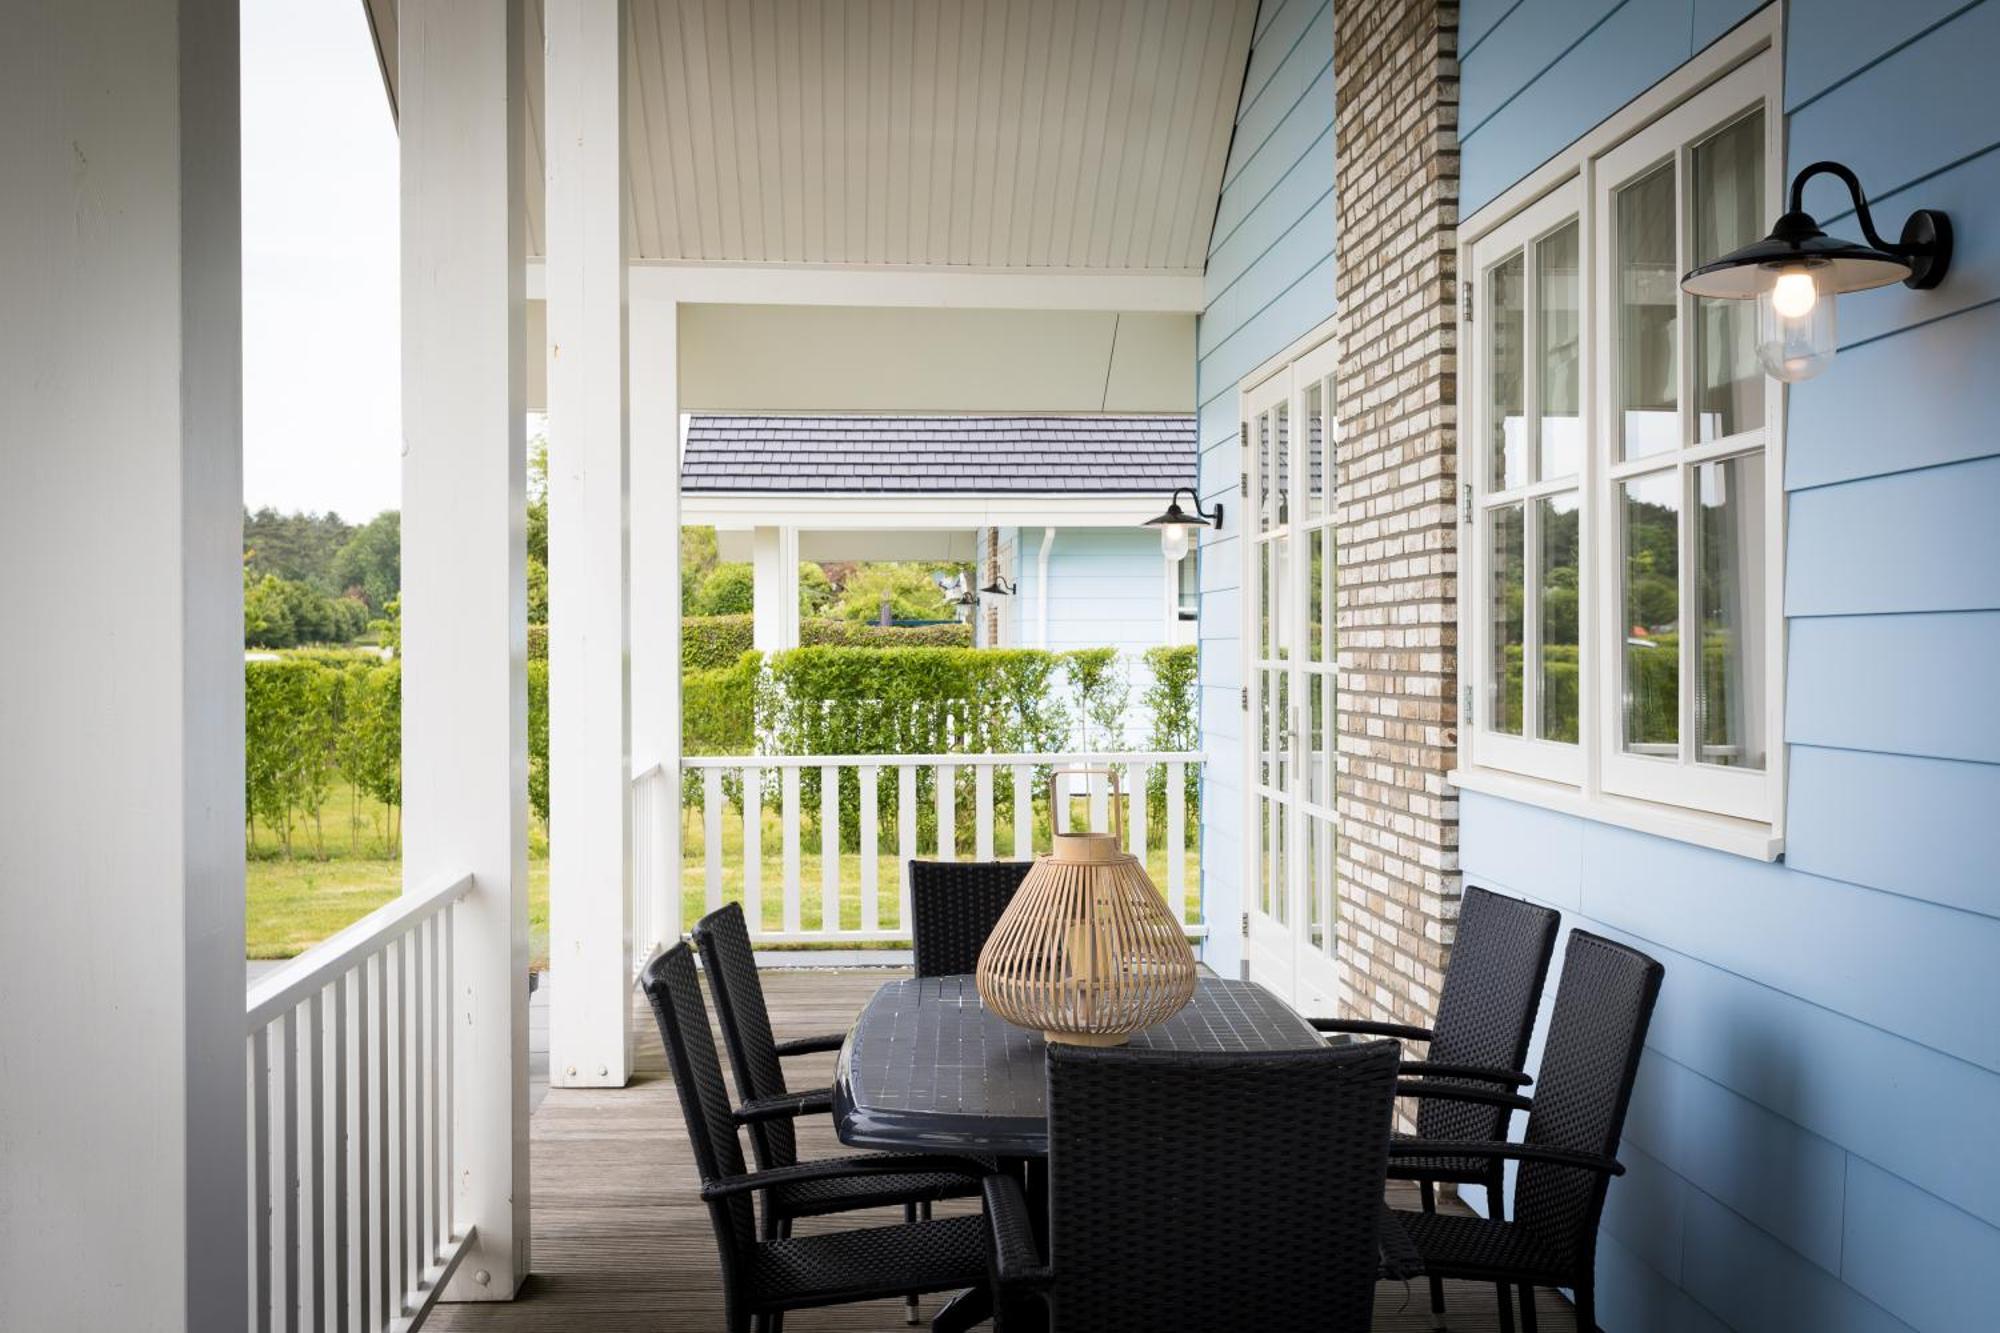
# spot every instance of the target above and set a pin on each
(321, 354)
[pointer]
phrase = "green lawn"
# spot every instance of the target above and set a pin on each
(293, 904)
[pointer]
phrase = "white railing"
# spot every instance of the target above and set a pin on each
(350, 1092)
(954, 787)
(655, 879)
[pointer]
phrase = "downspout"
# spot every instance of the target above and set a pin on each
(1042, 589)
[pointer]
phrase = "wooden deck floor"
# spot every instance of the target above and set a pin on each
(622, 1242)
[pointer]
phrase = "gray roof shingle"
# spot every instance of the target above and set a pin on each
(933, 455)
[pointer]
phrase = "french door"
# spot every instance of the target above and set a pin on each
(1290, 655)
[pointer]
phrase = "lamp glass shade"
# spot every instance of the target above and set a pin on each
(1174, 540)
(1087, 952)
(1795, 323)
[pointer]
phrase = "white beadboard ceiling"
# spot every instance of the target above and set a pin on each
(1058, 134)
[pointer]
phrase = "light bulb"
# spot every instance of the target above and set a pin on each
(1795, 329)
(1795, 294)
(1174, 540)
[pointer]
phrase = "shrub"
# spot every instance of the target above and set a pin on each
(1173, 702)
(730, 589)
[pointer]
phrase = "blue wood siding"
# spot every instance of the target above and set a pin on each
(1812, 1141)
(1107, 589)
(1269, 281)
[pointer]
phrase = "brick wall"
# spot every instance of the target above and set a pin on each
(1395, 129)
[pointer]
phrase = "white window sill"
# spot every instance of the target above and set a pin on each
(1738, 837)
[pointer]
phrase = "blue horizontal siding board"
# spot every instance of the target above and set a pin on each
(1307, 240)
(1637, 45)
(1635, 1297)
(1529, 39)
(1304, 63)
(1915, 684)
(1785, 1179)
(1293, 196)
(1750, 1281)
(1522, 849)
(1478, 18)
(1918, 541)
(1712, 18)
(1919, 109)
(1287, 315)
(1820, 45)
(1645, 1209)
(1897, 822)
(1968, 192)
(1931, 1264)
(1864, 421)
(1817, 939)
(1278, 34)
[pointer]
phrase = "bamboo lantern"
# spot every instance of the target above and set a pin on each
(1087, 952)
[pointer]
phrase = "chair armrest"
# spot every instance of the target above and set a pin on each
(1518, 1152)
(786, 1106)
(1511, 1077)
(835, 1168)
(1367, 1028)
(1453, 1092)
(1016, 1261)
(827, 1041)
(1399, 1258)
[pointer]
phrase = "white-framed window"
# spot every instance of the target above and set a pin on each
(1621, 458)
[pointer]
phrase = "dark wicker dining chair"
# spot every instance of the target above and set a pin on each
(764, 1276)
(1604, 1004)
(768, 1108)
(1179, 1198)
(1485, 1017)
(954, 906)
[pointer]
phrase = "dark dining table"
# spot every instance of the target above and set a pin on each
(928, 1068)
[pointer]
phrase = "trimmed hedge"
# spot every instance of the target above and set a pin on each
(716, 643)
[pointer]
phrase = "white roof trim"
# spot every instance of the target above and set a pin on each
(824, 511)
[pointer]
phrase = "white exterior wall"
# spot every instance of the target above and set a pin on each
(121, 719)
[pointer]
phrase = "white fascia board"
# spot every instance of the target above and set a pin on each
(832, 511)
(857, 285)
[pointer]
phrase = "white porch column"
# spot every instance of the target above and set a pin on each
(775, 566)
(655, 458)
(465, 697)
(121, 836)
(590, 835)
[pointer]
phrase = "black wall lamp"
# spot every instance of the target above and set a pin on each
(1176, 525)
(1002, 586)
(1794, 274)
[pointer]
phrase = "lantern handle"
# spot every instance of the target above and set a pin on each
(1055, 802)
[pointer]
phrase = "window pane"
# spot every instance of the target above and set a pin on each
(1505, 406)
(1266, 591)
(1279, 683)
(1189, 587)
(1315, 594)
(1316, 471)
(1557, 310)
(1729, 561)
(1557, 569)
(1317, 782)
(1648, 295)
(1650, 511)
(1266, 755)
(1316, 841)
(1267, 475)
(1728, 213)
(1281, 448)
(1504, 618)
(1282, 632)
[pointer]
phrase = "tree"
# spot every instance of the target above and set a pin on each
(371, 563)
(299, 548)
(699, 555)
(729, 590)
(912, 594)
(1102, 691)
(267, 615)
(815, 590)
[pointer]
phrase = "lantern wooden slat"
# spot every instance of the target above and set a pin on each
(1088, 952)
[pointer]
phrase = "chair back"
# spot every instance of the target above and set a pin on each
(724, 940)
(1217, 1189)
(954, 906)
(1486, 1008)
(674, 991)
(1604, 1005)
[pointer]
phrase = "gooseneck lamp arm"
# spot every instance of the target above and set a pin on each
(1213, 517)
(1853, 183)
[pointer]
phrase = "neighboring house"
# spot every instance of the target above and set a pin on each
(1548, 454)
(1051, 507)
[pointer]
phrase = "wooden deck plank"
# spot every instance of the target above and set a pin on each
(622, 1241)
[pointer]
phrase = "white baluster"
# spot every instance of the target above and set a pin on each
(871, 909)
(982, 812)
(1024, 812)
(1177, 839)
(1138, 775)
(906, 839)
(789, 778)
(753, 848)
(947, 805)
(829, 848)
(711, 837)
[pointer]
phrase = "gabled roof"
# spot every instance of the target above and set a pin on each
(938, 455)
